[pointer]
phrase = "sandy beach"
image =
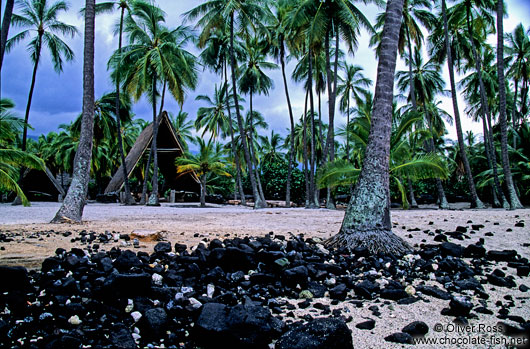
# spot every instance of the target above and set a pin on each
(33, 239)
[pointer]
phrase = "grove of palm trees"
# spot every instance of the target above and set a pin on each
(305, 171)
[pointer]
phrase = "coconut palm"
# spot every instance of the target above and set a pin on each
(6, 22)
(40, 19)
(122, 5)
(427, 82)
(72, 207)
(367, 219)
(155, 55)
(252, 79)
(10, 124)
(208, 161)
(279, 31)
(240, 14)
(183, 128)
(518, 53)
(512, 194)
(353, 85)
(403, 164)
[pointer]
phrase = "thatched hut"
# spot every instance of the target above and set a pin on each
(168, 149)
(41, 185)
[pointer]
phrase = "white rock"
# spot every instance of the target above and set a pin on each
(136, 336)
(330, 281)
(411, 291)
(195, 304)
(186, 289)
(74, 320)
(321, 249)
(179, 296)
(434, 266)
(210, 289)
(157, 279)
(136, 316)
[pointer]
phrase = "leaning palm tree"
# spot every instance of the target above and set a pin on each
(207, 162)
(367, 220)
(40, 17)
(240, 14)
(155, 56)
(72, 207)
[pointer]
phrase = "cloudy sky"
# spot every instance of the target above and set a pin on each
(57, 98)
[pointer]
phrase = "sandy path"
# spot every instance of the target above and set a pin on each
(190, 224)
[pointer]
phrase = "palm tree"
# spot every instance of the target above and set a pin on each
(279, 32)
(72, 207)
(252, 79)
(427, 82)
(512, 194)
(207, 162)
(353, 86)
(40, 18)
(10, 124)
(6, 22)
(518, 51)
(122, 5)
(214, 14)
(183, 128)
(155, 55)
(367, 219)
(403, 164)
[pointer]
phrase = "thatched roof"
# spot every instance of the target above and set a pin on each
(39, 185)
(169, 148)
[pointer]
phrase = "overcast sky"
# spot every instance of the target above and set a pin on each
(57, 98)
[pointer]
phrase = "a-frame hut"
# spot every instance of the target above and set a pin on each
(41, 185)
(168, 149)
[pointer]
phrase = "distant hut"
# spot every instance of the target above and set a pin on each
(168, 149)
(41, 185)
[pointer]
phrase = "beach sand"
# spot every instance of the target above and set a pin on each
(190, 225)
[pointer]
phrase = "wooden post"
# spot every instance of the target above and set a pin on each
(172, 196)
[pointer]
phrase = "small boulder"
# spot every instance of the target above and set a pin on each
(321, 333)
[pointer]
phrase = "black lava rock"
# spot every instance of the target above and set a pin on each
(121, 337)
(416, 328)
(320, 333)
(366, 325)
(502, 256)
(400, 337)
(451, 249)
(460, 306)
(238, 326)
(13, 279)
(162, 247)
(127, 260)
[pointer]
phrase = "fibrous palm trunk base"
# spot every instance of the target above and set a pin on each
(376, 241)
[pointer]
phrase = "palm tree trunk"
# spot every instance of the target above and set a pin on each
(304, 145)
(72, 207)
(312, 187)
(495, 187)
(442, 200)
(514, 112)
(413, 203)
(128, 197)
(143, 199)
(153, 198)
(291, 119)
(493, 153)
(258, 203)
(30, 96)
(348, 131)
(239, 183)
(252, 152)
(203, 190)
(411, 75)
(475, 201)
(6, 22)
(512, 195)
(367, 220)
